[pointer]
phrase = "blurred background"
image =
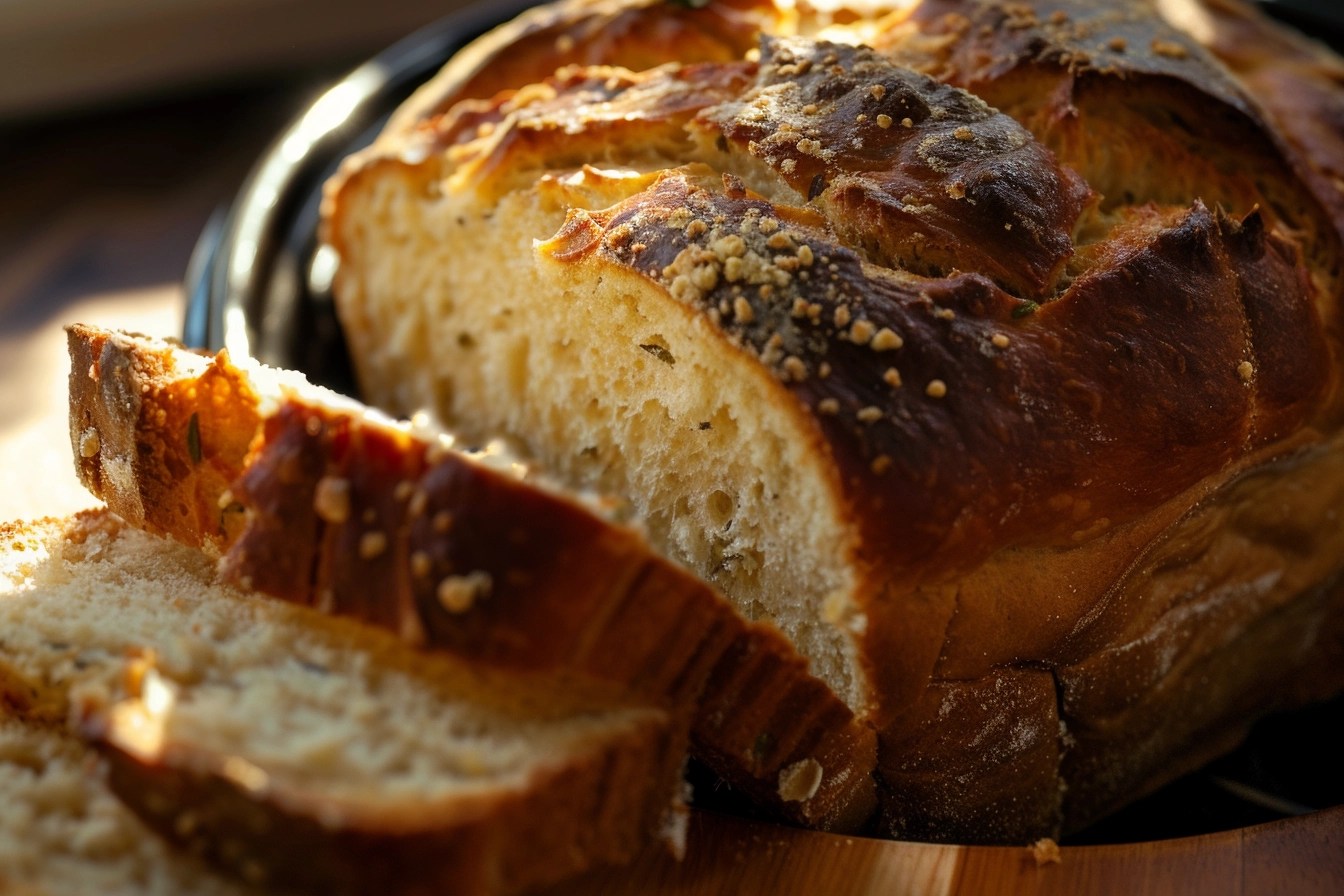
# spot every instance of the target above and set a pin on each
(124, 124)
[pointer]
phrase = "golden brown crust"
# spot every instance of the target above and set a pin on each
(1039, 422)
(1129, 100)
(1137, 368)
(363, 519)
(915, 173)
(161, 461)
(1001, 731)
(633, 35)
(1295, 81)
(579, 113)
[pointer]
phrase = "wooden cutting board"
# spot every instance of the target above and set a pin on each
(727, 856)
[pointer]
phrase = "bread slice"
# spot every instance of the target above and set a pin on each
(337, 507)
(63, 832)
(302, 751)
(925, 382)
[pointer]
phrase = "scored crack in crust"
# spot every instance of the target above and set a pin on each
(922, 352)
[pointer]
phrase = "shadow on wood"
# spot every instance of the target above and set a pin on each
(727, 856)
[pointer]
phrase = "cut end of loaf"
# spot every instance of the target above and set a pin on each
(611, 387)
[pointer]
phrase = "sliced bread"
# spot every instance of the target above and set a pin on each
(298, 750)
(63, 833)
(338, 507)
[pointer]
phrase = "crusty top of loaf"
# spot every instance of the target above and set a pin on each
(975, 338)
(1020, 333)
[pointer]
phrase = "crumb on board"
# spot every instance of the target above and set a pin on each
(1045, 852)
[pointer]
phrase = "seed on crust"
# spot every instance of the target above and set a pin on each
(862, 331)
(1245, 370)
(877, 91)
(732, 246)
(935, 389)
(841, 316)
(331, 499)
(892, 377)
(886, 339)
(742, 310)
(884, 121)
(963, 133)
(999, 340)
(458, 594)
(371, 544)
(89, 443)
(870, 414)
(828, 406)
(1169, 49)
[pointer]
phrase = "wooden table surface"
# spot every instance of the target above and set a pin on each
(97, 220)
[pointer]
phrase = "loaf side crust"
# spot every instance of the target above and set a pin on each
(1223, 351)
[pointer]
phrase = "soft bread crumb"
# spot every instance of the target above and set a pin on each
(1045, 851)
(63, 833)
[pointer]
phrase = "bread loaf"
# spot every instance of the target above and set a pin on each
(471, 552)
(296, 750)
(995, 362)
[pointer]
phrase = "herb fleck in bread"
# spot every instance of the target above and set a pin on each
(471, 552)
(923, 351)
(294, 749)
